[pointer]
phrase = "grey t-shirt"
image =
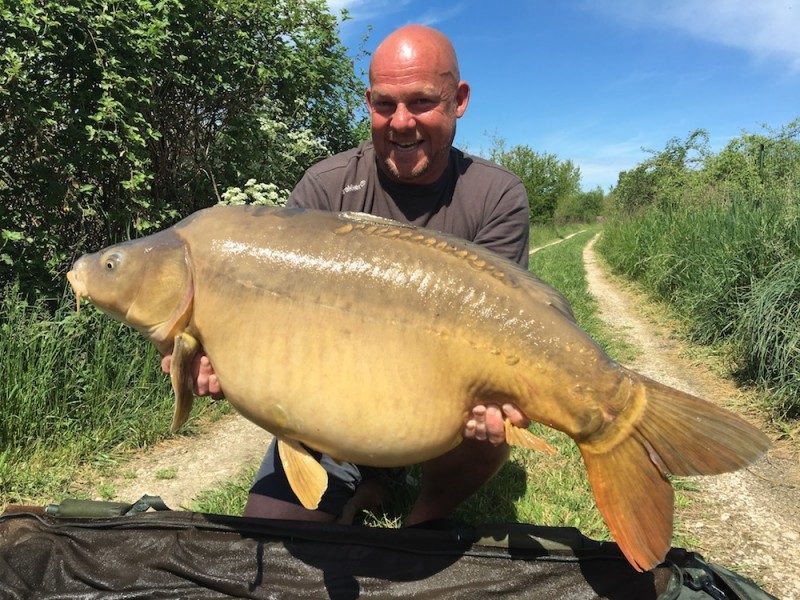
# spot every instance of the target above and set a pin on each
(474, 199)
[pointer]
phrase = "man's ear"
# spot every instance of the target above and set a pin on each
(368, 99)
(462, 98)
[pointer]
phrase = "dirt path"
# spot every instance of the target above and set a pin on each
(193, 464)
(554, 242)
(747, 521)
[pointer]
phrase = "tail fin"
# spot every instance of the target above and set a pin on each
(676, 433)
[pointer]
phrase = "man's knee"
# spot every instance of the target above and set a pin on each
(265, 507)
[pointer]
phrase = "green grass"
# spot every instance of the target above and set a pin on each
(562, 267)
(544, 234)
(78, 392)
(728, 269)
(767, 337)
(226, 498)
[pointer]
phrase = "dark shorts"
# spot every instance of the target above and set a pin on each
(343, 479)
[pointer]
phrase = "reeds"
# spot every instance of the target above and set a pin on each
(726, 264)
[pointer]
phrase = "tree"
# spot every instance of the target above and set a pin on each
(547, 180)
(665, 176)
(754, 163)
(126, 115)
(584, 207)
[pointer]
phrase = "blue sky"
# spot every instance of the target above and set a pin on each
(597, 81)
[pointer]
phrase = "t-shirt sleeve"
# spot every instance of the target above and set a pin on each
(506, 228)
(309, 193)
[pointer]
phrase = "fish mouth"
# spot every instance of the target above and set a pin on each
(78, 288)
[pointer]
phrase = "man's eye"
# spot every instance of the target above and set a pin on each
(422, 104)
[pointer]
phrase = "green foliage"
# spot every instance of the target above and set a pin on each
(768, 334)
(73, 389)
(756, 164)
(719, 245)
(118, 115)
(583, 207)
(547, 180)
(751, 165)
(665, 176)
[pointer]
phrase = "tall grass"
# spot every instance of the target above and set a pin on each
(767, 337)
(74, 388)
(717, 260)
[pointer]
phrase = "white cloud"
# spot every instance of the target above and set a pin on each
(368, 10)
(432, 17)
(766, 29)
(336, 5)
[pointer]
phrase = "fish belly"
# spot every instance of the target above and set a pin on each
(382, 394)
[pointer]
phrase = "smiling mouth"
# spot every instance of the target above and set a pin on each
(404, 146)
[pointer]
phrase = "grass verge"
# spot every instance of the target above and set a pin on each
(78, 392)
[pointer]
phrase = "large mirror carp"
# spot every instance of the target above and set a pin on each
(371, 341)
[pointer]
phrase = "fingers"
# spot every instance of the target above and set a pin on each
(475, 427)
(516, 416)
(205, 379)
(206, 382)
(486, 422)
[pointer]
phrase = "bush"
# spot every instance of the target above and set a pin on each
(584, 207)
(722, 248)
(121, 117)
(548, 181)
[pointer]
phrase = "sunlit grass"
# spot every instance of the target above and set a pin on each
(78, 391)
(728, 268)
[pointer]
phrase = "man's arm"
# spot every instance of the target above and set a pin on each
(506, 228)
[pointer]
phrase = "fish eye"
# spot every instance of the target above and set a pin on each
(112, 261)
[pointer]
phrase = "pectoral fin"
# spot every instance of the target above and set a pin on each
(308, 478)
(516, 436)
(180, 373)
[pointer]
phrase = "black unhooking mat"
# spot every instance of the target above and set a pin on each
(170, 554)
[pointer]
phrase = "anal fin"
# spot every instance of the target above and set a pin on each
(516, 436)
(306, 476)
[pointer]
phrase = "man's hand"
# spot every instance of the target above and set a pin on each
(205, 380)
(486, 422)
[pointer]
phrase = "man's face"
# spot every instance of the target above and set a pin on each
(414, 107)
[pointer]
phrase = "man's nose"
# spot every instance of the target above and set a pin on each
(403, 118)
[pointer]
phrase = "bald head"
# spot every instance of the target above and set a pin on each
(416, 44)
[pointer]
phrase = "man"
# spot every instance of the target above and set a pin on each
(409, 172)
